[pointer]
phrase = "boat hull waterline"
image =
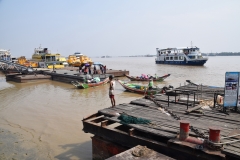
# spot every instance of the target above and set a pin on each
(132, 78)
(142, 89)
(88, 85)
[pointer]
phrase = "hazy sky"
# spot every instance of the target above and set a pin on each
(118, 27)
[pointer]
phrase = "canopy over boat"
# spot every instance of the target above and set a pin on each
(139, 89)
(97, 63)
(147, 78)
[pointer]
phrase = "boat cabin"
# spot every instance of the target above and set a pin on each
(180, 56)
(5, 55)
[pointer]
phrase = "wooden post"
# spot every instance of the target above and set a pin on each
(175, 97)
(214, 100)
(168, 100)
(197, 91)
(193, 99)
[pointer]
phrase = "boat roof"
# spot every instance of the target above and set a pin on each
(2, 50)
(78, 53)
(192, 47)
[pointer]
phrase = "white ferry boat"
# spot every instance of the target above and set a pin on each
(5, 55)
(180, 56)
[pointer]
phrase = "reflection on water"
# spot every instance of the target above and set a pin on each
(47, 114)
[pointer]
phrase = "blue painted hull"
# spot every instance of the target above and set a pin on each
(190, 63)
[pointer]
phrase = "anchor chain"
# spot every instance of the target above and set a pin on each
(175, 116)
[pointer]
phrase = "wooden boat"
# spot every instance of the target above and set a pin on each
(139, 89)
(87, 85)
(132, 78)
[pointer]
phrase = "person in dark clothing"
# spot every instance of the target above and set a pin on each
(89, 70)
(101, 68)
(80, 69)
(94, 70)
(104, 68)
(85, 70)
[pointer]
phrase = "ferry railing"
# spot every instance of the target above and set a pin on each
(5, 65)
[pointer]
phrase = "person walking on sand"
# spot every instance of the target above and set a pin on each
(111, 90)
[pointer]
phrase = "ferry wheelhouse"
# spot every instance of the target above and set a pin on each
(47, 59)
(180, 56)
(5, 55)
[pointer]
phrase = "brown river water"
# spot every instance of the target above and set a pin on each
(42, 119)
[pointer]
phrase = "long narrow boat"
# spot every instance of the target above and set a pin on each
(88, 85)
(139, 89)
(132, 78)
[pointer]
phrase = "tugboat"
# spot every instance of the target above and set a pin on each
(180, 56)
(46, 59)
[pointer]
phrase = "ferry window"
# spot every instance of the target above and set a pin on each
(167, 58)
(181, 58)
(171, 58)
(176, 58)
(193, 50)
(169, 51)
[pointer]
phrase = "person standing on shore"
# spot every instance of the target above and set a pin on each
(89, 70)
(111, 90)
(94, 70)
(105, 69)
(101, 68)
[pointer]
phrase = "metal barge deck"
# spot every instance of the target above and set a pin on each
(63, 75)
(162, 135)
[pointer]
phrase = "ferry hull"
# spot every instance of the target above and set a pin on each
(190, 63)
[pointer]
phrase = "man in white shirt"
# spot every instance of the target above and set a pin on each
(111, 90)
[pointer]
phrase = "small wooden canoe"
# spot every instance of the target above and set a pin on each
(134, 78)
(139, 89)
(87, 85)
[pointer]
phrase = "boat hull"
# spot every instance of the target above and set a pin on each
(190, 63)
(154, 79)
(88, 85)
(140, 91)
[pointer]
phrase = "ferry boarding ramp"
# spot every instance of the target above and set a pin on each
(9, 65)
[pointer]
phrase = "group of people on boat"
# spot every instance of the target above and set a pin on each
(144, 76)
(89, 69)
(94, 80)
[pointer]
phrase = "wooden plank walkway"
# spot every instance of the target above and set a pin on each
(164, 125)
